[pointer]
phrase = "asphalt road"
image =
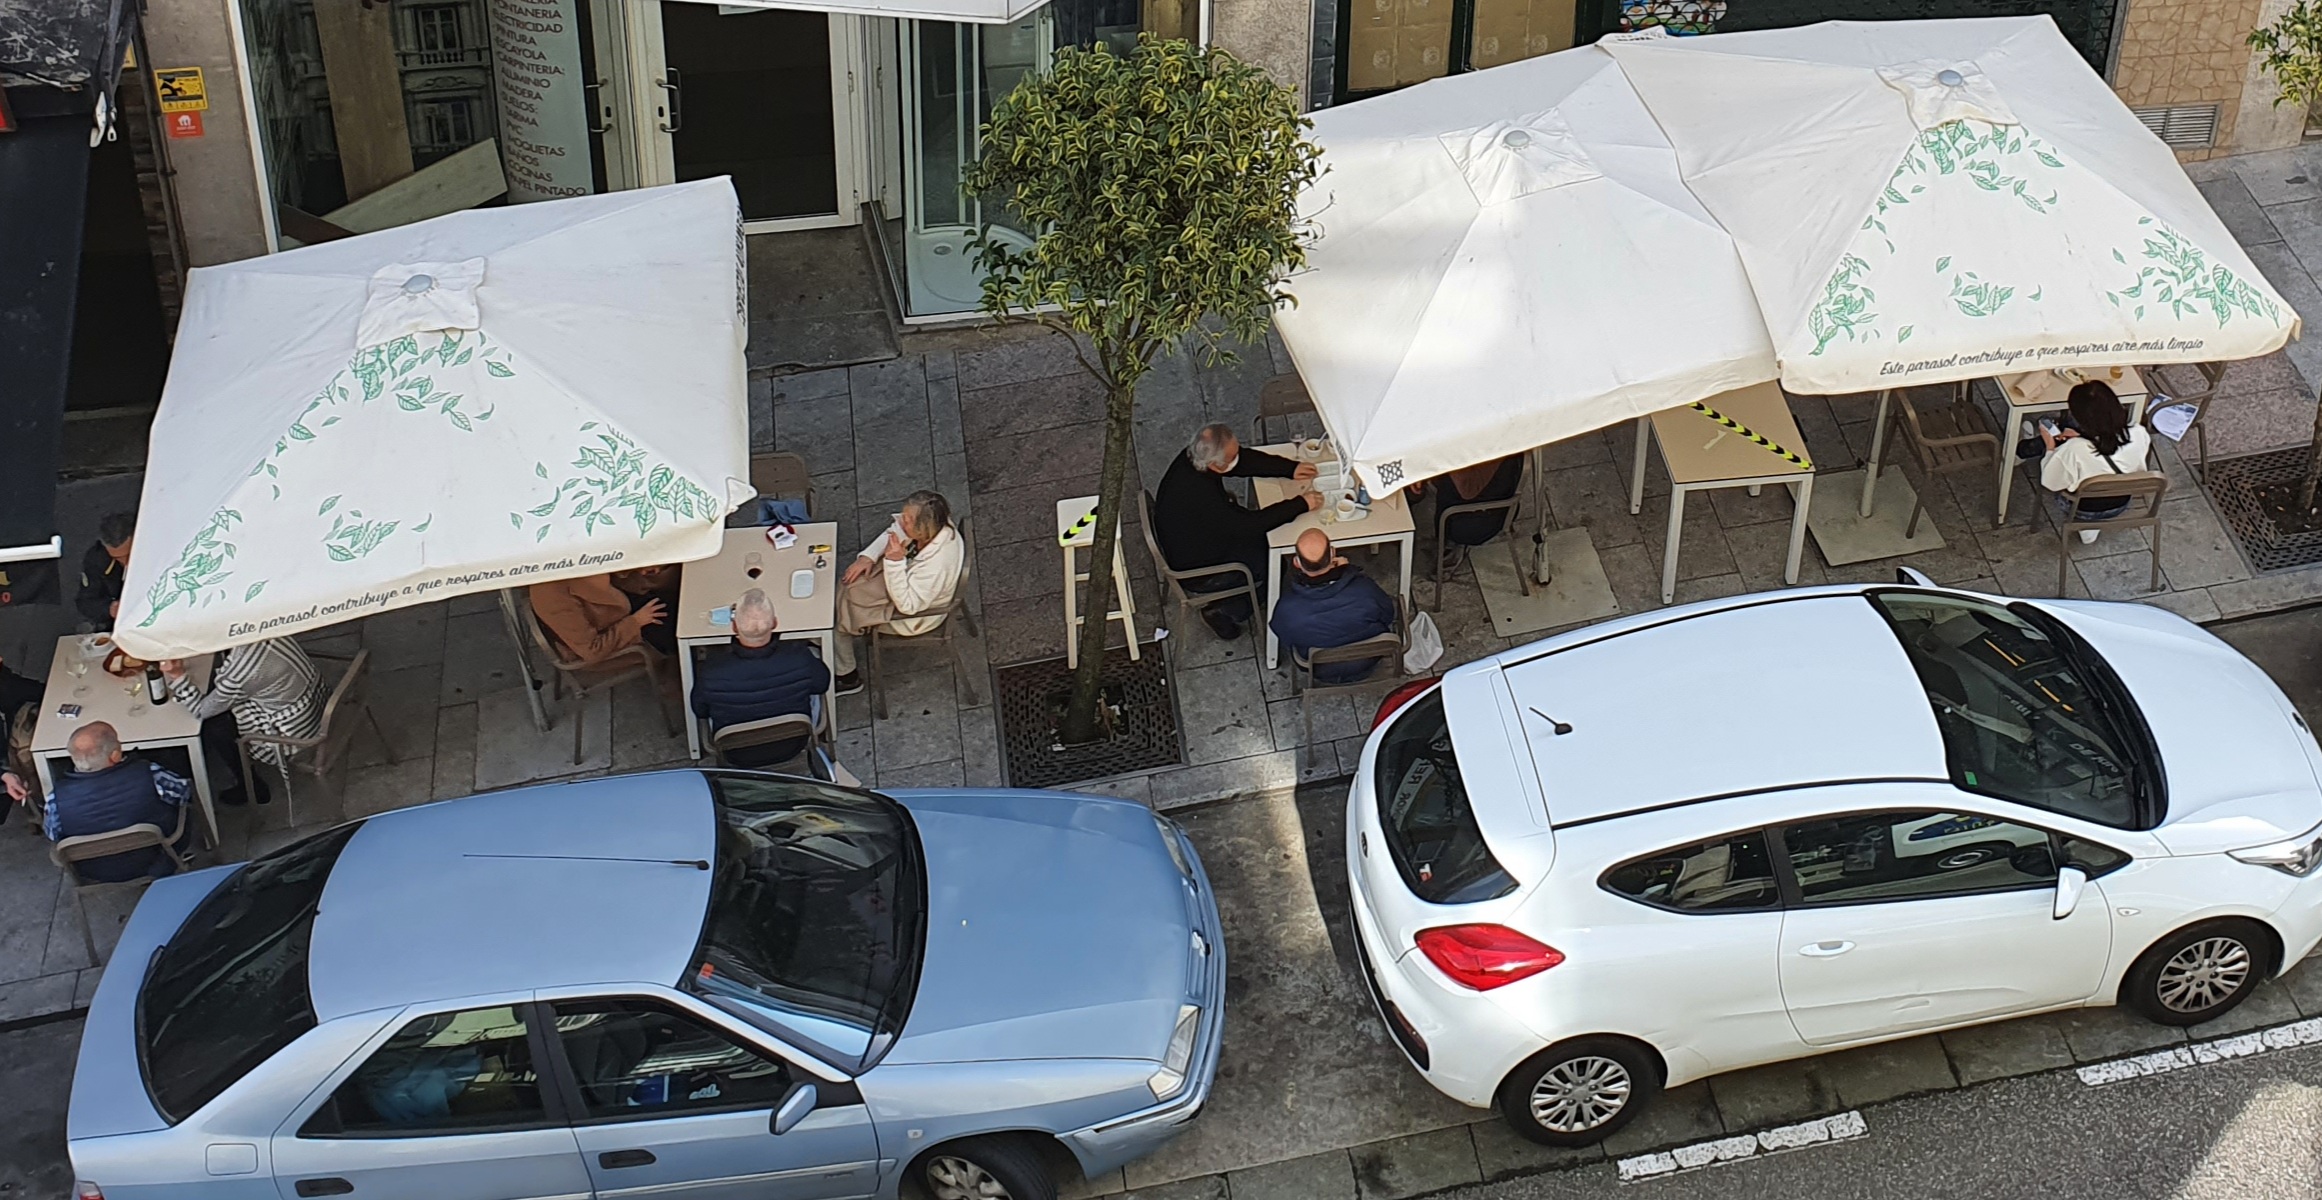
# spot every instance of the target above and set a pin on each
(2247, 1129)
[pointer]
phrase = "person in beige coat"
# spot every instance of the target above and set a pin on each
(904, 580)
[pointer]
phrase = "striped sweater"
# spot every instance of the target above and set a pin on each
(271, 687)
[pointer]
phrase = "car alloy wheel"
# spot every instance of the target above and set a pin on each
(2204, 974)
(1580, 1094)
(953, 1178)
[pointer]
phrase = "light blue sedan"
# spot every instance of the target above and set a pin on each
(702, 984)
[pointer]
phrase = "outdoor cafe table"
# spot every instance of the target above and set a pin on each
(1389, 521)
(2028, 394)
(1701, 454)
(709, 584)
(121, 703)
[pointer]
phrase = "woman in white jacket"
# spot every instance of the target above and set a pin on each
(2100, 441)
(904, 580)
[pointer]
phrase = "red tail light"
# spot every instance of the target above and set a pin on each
(84, 1190)
(1401, 696)
(1484, 957)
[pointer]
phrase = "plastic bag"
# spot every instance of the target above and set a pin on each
(1426, 645)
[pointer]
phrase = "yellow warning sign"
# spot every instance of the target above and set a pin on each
(181, 89)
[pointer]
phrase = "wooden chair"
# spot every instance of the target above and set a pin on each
(1947, 440)
(1445, 551)
(69, 853)
(1385, 647)
(766, 732)
(954, 614)
(2210, 373)
(1282, 398)
(320, 754)
(2142, 489)
(586, 679)
(778, 476)
(1192, 599)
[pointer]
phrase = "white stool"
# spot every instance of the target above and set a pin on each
(1073, 532)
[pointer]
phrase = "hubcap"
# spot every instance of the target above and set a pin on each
(2202, 975)
(958, 1179)
(1579, 1094)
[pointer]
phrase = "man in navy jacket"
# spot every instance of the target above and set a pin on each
(759, 678)
(1330, 603)
(106, 791)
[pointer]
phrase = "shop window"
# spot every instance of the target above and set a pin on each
(1388, 44)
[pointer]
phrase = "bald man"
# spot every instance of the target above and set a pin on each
(1330, 603)
(106, 791)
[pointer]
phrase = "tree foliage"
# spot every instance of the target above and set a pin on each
(2293, 54)
(1161, 191)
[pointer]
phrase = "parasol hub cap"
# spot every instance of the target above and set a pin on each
(418, 284)
(1516, 139)
(1950, 78)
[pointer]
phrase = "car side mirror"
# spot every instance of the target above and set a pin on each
(796, 1103)
(1914, 576)
(2069, 883)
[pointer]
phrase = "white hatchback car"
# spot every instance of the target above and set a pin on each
(1770, 826)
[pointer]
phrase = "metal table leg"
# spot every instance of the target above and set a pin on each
(1878, 449)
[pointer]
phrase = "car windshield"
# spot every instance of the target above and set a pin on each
(1423, 811)
(817, 915)
(2028, 711)
(229, 988)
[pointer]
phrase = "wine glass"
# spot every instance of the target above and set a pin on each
(753, 564)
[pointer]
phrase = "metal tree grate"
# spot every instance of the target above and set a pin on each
(1032, 696)
(2241, 488)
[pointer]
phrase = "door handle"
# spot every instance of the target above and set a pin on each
(612, 1160)
(599, 108)
(330, 1185)
(673, 83)
(1825, 949)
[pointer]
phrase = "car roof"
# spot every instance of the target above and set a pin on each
(1756, 694)
(600, 881)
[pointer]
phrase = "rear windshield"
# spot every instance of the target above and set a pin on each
(1430, 831)
(2028, 710)
(229, 988)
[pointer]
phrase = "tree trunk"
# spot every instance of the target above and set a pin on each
(1080, 716)
(2313, 478)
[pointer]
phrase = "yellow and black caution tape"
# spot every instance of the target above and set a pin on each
(1072, 532)
(1795, 459)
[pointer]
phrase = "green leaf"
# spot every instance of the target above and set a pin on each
(1942, 264)
(328, 505)
(302, 433)
(545, 509)
(1903, 335)
(540, 469)
(340, 553)
(461, 420)
(422, 526)
(252, 593)
(541, 536)
(499, 369)
(329, 421)
(516, 519)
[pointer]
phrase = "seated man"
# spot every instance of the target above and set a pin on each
(591, 618)
(1197, 523)
(267, 687)
(1330, 604)
(903, 581)
(104, 568)
(758, 678)
(104, 792)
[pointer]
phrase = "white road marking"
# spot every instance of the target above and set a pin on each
(1820, 1131)
(2280, 1037)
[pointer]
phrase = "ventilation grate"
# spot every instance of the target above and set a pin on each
(2184, 126)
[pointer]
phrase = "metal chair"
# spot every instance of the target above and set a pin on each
(1192, 599)
(639, 661)
(1445, 551)
(954, 614)
(765, 732)
(2142, 489)
(1282, 398)
(1385, 647)
(2211, 373)
(1947, 440)
(320, 754)
(778, 476)
(69, 853)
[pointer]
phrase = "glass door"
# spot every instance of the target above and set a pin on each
(756, 94)
(952, 75)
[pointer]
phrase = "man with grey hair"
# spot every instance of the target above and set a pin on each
(759, 677)
(1199, 524)
(901, 584)
(106, 791)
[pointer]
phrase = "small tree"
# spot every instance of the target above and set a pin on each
(1164, 188)
(2293, 56)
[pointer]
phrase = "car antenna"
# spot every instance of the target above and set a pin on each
(698, 864)
(1560, 727)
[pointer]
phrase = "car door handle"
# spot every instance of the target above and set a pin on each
(1825, 949)
(327, 1186)
(615, 1159)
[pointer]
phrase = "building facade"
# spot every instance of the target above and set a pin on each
(331, 117)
